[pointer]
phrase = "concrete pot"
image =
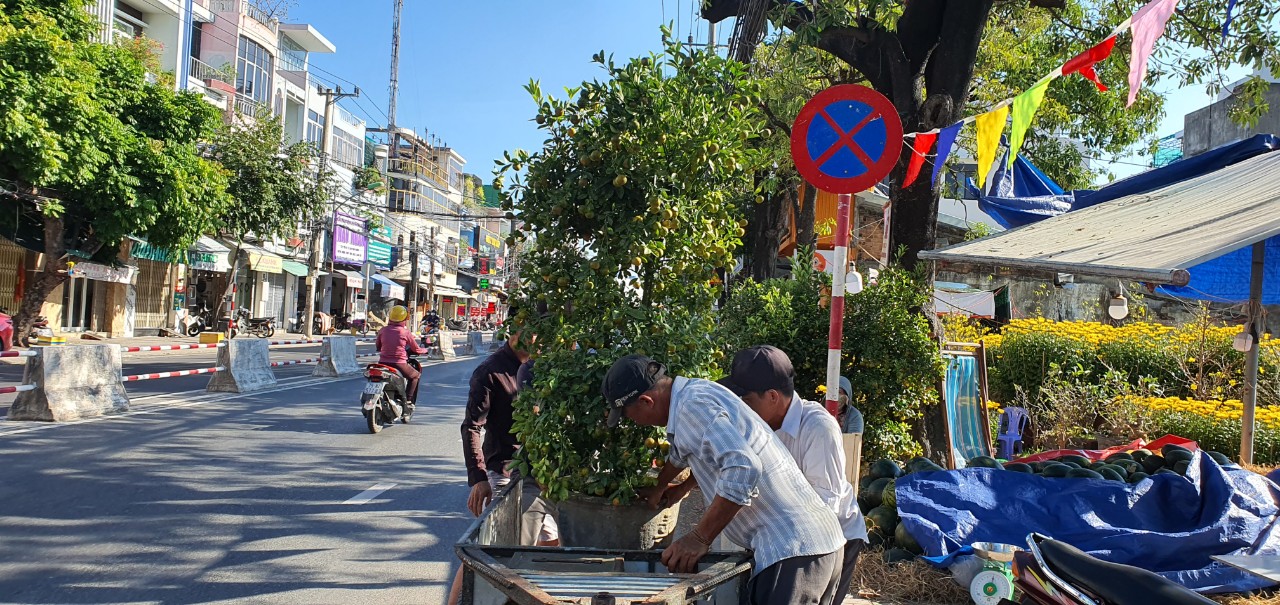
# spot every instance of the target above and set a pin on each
(588, 521)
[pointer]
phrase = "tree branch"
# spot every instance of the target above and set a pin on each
(772, 118)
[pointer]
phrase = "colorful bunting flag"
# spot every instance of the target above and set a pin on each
(920, 147)
(946, 138)
(1024, 107)
(1147, 26)
(1084, 62)
(1226, 25)
(990, 126)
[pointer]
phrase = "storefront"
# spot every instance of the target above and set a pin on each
(13, 269)
(207, 264)
(264, 283)
(98, 298)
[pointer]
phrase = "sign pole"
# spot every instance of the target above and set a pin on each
(835, 335)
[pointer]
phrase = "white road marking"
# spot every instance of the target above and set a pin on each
(369, 494)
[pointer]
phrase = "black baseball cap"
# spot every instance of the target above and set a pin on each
(728, 383)
(628, 379)
(761, 368)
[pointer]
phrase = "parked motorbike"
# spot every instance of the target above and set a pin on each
(197, 321)
(1050, 572)
(456, 324)
(262, 327)
(342, 322)
(385, 396)
(39, 328)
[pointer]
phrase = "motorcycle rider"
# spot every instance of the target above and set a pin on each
(432, 319)
(394, 342)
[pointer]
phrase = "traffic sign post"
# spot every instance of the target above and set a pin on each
(845, 140)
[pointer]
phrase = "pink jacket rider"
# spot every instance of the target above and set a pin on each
(392, 342)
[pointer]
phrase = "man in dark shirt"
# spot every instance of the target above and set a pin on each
(489, 409)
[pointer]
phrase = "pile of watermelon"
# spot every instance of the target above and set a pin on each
(878, 500)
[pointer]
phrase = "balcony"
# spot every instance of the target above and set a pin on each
(203, 71)
(257, 14)
(248, 106)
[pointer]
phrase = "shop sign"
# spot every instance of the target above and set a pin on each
(208, 261)
(380, 253)
(475, 311)
(493, 308)
(265, 262)
(492, 241)
(349, 241)
(484, 283)
(96, 272)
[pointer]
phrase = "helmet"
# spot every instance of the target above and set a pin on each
(398, 313)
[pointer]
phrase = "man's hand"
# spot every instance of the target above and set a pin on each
(481, 494)
(653, 496)
(683, 555)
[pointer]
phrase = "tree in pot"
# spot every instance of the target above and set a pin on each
(631, 208)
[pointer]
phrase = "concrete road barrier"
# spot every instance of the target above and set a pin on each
(72, 383)
(338, 357)
(247, 364)
(446, 345)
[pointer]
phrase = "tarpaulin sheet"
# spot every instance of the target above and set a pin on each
(1168, 524)
(1226, 278)
(1104, 454)
(1025, 195)
(965, 411)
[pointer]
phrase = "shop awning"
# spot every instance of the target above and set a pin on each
(354, 278)
(448, 291)
(387, 287)
(262, 260)
(209, 255)
(293, 267)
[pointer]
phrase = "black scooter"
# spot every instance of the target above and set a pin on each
(385, 398)
(1050, 572)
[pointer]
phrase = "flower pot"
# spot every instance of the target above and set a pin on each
(588, 521)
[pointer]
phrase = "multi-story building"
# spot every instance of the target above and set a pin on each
(247, 63)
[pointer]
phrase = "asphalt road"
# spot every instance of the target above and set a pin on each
(275, 497)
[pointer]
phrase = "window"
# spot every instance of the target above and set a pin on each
(292, 56)
(347, 149)
(253, 71)
(128, 21)
(315, 128)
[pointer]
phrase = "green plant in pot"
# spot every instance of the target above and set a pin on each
(630, 206)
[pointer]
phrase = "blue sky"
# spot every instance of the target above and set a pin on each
(463, 63)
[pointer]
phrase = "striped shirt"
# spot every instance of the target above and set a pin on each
(811, 435)
(734, 455)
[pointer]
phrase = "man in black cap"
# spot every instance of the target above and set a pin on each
(764, 378)
(755, 494)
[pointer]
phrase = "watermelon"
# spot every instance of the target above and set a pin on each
(983, 462)
(1119, 470)
(897, 555)
(1079, 461)
(885, 469)
(905, 540)
(1119, 456)
(882, 521)
(1109, 472)
(1056, 470)
(1137, 477)
(1083, 473)
(1019, 467)
(1139, 454)
(1165, 471)
(889, 495)
(1152, 463)
(873, 496)
(1174, 454)
(1181, 467)
(1219, 457)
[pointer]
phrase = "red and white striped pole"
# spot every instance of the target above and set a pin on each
(835, 336)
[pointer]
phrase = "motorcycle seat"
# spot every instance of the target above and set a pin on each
(384, 368)
(1113, 582)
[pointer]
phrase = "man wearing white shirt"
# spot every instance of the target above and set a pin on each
(765, 379)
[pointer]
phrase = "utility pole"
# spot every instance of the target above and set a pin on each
(331, 98)
(431, 281)
(413, 279)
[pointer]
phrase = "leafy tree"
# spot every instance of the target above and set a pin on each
(89, 151)
(631, 205)
(274, 187)
(941, 60)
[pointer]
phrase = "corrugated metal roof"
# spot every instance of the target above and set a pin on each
(1152, 237)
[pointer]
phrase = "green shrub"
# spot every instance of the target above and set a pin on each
(1024, 360)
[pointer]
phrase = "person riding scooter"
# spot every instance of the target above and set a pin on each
(394, 343)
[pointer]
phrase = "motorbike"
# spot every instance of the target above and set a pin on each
(262, 327)
(385, 396)
(456, 324)
(39, 327)
(1050, 572)
(197, 321)
(431, 340)
(343, 322)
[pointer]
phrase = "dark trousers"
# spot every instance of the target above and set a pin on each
(852, 549)
(411, 377)
(808, 580)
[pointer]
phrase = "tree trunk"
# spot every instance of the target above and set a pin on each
(806, 217)
(53, 272)
(768, 219)
(913, 215)
(231, 286)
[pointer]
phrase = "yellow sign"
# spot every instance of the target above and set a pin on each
(492, 241)
(266, 263)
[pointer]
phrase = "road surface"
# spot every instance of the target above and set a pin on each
(275, 497)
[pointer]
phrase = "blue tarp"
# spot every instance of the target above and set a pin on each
(1226, 278)
(1167, 524)
(1026, 195)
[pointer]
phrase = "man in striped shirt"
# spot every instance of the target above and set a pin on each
(755, 493)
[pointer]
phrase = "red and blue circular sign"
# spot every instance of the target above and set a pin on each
(846, 139)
